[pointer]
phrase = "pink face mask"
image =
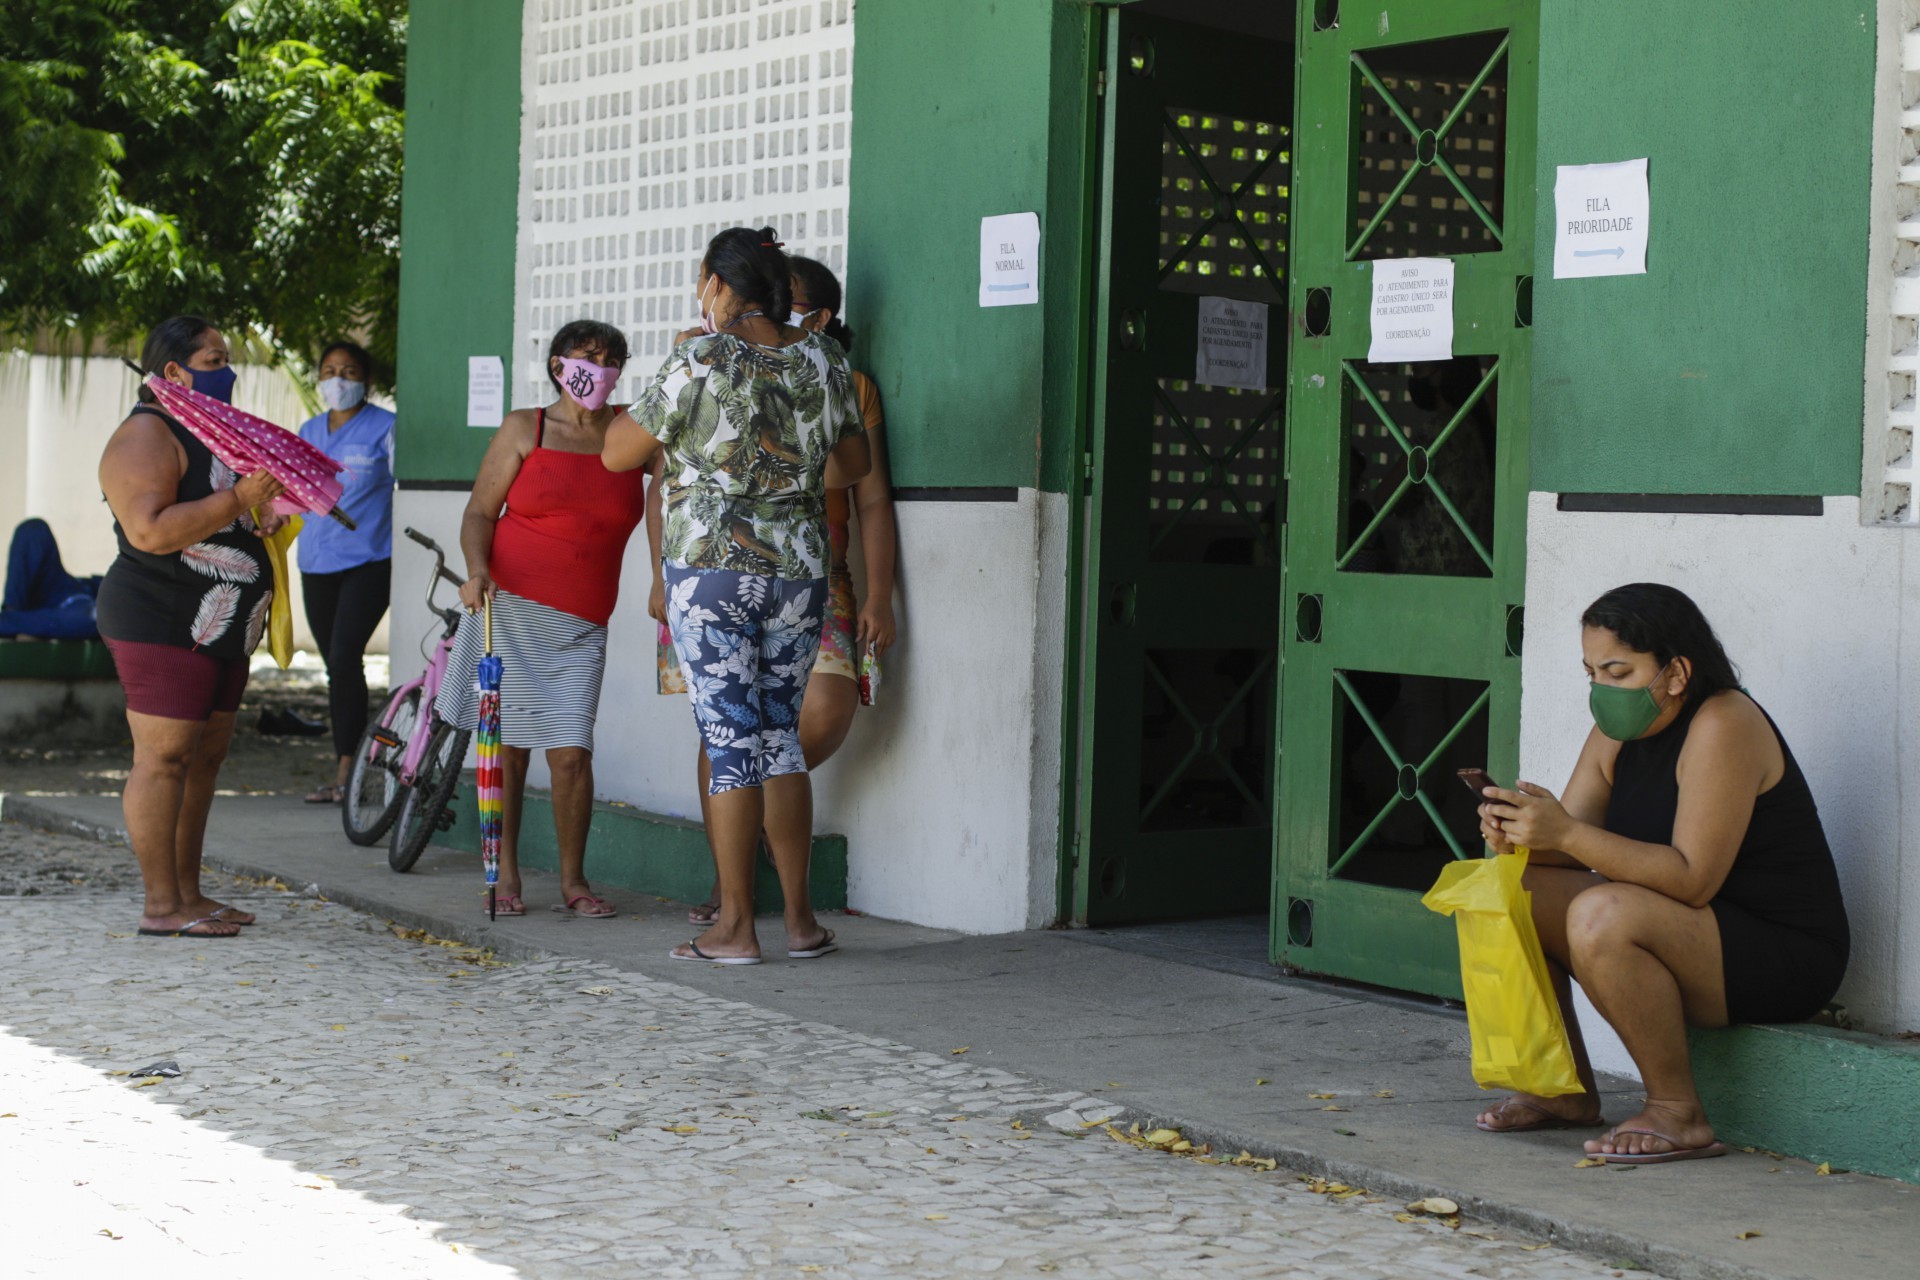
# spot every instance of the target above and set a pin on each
(587, 382)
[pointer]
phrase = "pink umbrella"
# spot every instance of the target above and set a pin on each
(246, 444)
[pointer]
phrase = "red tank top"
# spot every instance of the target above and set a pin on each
(565, 530)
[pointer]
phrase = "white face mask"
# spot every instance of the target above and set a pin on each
(342, 393)
(706, 316)
(798, 319)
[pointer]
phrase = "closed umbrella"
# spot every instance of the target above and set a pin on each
(487, 751)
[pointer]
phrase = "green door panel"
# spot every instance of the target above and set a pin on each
(1406, 538)
(1186, 497)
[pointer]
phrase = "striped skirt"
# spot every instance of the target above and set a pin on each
(551, 663)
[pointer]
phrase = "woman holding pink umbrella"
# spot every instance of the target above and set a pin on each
(181, 609)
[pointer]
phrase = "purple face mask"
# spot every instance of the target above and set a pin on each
(587, 382)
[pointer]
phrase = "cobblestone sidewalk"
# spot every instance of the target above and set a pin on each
(560, 1117)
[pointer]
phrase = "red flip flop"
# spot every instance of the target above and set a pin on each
(596, 908)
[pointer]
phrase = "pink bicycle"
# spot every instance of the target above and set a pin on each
(407, 765)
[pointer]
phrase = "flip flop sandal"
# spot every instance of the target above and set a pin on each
(508, 904)
(596, 908)
(702, 957)
(712, 910)
(1547, 1120)
(327, 795)
(1708, 1152)
(818, 949)
(244, 924)
(186, 930)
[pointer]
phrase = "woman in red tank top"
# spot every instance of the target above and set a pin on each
(544, 535)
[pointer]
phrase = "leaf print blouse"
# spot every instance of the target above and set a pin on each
(747, 430)
(213, 596)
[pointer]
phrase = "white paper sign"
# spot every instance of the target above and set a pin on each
(1600, 220)
(486, 391)
(1232, 350)
(1010, 260)
(1412, 310)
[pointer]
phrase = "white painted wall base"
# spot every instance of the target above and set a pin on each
(1822, 615)
(948, 790)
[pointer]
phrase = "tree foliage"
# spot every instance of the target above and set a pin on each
(241, 160)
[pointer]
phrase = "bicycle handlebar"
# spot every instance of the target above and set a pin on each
(440, 572)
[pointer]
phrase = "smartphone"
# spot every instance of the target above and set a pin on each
(1477, 781)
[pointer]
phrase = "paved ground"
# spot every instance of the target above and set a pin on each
(560, 1115)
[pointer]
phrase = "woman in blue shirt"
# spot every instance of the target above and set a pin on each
(345, 573)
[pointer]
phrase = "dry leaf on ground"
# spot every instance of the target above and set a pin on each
(1439, 1206)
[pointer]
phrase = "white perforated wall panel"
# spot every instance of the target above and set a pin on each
(647, 126)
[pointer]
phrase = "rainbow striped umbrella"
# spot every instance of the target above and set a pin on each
(487, 748)
(246, 444)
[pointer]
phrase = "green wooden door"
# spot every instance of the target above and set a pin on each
(1406, 532)
(1185, 480)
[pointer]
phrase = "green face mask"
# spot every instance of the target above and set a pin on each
(1624, 714)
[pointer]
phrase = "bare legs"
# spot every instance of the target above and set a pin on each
(783, 806)
(168, 793)
(572, 772)
(1651, 966)
(825, 717)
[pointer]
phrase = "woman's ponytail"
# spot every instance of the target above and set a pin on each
(753, 266)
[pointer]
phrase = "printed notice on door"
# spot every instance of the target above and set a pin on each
(1600, 220)
(486, 391)
(1233, 344)
(1010, 260)
(1412, 310)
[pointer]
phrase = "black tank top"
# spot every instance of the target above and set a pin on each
(1784, 871)
(213, 596)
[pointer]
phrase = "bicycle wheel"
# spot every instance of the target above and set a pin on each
(424, 811)
(374, 789)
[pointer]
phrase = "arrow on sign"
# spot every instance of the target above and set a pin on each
(1616, 251)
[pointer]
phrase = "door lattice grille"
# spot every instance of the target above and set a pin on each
(1421, 451)
(1400, 814)
(1207, 718)
(1215, 488)
(1432, 147)
(1223, 205)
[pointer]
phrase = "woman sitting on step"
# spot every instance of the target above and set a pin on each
(1683, 880)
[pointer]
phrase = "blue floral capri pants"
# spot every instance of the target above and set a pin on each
(746, 644)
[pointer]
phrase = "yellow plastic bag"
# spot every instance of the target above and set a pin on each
(1519, 1040)
(280, 611)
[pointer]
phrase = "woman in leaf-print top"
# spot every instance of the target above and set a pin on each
(754, 419)
(181, 609)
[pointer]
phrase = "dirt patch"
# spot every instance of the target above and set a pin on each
(258, 764)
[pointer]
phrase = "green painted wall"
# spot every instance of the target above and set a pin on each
(1815, 1093)
(964, 109)
(1736, 364)
(458, 218)
(649, 852)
